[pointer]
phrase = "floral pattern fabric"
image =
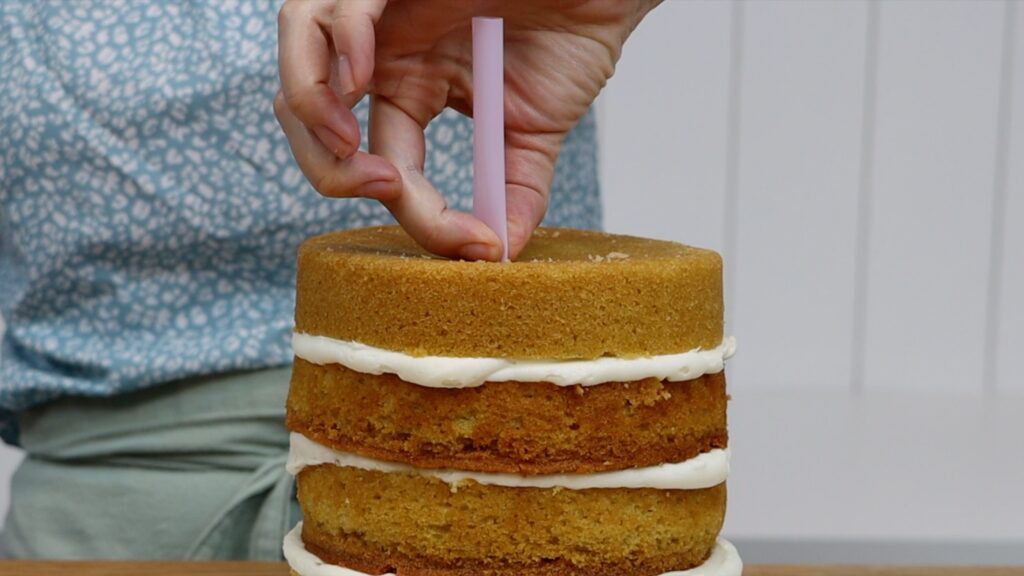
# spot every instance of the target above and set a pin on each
(150, 208)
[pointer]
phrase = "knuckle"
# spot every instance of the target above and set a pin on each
(431, 238)
(288, 12)
(300, 102)
(298, 10)
(322, 184)
(329, 185)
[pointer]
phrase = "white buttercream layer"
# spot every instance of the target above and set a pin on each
(703, 471)
(724, 560)
(453, 372)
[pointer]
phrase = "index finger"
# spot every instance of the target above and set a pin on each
(305, 65)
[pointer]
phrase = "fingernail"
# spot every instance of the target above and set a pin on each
(346, 81)
(479, 252)
(332, 141)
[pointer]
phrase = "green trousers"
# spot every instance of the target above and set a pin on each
(189, 470)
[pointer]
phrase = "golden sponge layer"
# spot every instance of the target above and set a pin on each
(412, 525)
(530, 428)
(571, 294)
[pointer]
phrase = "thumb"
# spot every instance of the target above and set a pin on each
(352, 29)
(529, 170)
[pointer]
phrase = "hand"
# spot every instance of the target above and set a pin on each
(414, 58)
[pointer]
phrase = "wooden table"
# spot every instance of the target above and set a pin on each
(12, 568)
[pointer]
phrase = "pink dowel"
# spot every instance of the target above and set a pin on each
(489, 126)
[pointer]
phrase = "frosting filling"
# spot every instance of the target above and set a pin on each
(724, 561)
(703, 471)
(453, 372)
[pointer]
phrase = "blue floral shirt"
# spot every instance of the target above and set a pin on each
(150, 208)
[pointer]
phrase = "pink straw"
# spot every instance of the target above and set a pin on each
(489, 126)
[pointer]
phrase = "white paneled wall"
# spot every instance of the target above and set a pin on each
(797, 188)
(10, 457)
(1008, 305)
(845, 158)
(682, 65)
(931, 193)
(860, 164)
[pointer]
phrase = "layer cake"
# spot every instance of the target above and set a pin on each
(564, 414)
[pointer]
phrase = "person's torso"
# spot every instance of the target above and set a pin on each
(150, 208)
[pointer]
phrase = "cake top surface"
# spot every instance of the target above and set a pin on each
(571, 294)
(547, 246)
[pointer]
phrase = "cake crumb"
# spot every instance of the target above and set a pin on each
(611, 256)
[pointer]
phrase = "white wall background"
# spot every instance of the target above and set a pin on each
(9, 459)
(861, 167)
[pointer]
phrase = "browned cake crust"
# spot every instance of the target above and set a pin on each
(413, 525)
(571, 294)
(531, 428)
